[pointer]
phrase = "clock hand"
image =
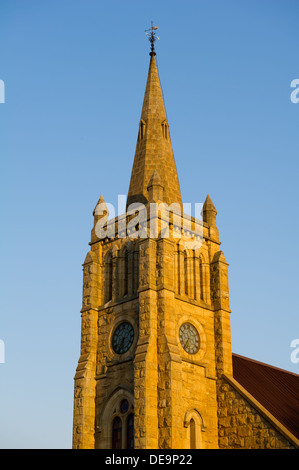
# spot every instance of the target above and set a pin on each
(123, 341)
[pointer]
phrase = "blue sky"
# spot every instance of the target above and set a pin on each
(75, 74)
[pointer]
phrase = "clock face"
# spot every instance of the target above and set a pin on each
(123, 338)
(189, 338)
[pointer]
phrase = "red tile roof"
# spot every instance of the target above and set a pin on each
(275, 389)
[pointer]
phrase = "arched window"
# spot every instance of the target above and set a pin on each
(165, 129)
(108, 278)
(135, 271)
(117, 433)
(125, 272)
(201, 279)
(195, 426)
(186, 272)
(130, 432)
(192, 434)
(141, 132)
(115, 423)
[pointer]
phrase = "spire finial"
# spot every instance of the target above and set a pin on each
(151, 34)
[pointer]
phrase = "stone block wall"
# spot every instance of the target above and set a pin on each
(241, 426)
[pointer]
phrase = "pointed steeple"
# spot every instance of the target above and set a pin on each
(209, 206)
(209, 211)
(153, 149)
(100, 211)
(100, 208)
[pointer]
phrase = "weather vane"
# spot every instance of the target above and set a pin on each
(151, 34)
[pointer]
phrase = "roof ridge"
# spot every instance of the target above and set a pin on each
(266, 365)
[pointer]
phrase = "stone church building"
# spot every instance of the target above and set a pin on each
(156, 369)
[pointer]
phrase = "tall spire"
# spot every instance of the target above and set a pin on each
(153, 148)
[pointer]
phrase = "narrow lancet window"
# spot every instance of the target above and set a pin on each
(108, 278)
(201, 279)
(141, 133)
(117, 433)
(192, 434)
(130, 432)
(165, 129)
(126, 272)
(135, 271)
(186, 272)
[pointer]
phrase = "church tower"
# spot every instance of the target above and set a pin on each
(155, 334)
